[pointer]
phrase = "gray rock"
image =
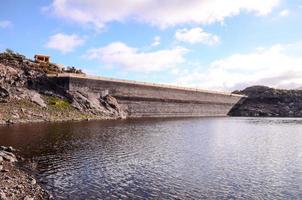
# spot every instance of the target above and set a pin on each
(3, 196)
(1, 167)
(20, 187)
(4, 170)
(3, 148)
(86, 101)
(112, 102)
(8, 149)
(11, 149)
(16, 116)
(28, 198)
(36, 98)
(8, 156)
(9, 121)
(95, 103)
(4, 95)
(33, 181)
(1, 159)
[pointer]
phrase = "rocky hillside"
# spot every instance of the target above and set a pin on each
(26, 94)
(268, 102)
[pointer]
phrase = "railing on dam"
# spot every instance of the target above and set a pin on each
(83, 76)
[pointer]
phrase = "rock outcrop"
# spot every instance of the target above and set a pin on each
(26, 94)
(263, 101)
(95, 104)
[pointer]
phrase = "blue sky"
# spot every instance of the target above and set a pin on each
(209, 44)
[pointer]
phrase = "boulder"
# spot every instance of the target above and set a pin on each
(94, 103)
(10, 157)
(28, 198)
(36, 98)
(33, 181)
(86, 101)
(3, 196)
(4, 95)
(8, 149)
(112, 102)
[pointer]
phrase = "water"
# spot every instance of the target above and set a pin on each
(195, 158)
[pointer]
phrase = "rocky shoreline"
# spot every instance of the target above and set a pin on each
(16, 183)
(27, 95)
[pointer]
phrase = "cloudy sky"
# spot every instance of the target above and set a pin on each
(210, 44)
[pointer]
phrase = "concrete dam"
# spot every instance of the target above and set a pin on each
(141, 99)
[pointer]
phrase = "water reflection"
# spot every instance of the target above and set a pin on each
(196, 158)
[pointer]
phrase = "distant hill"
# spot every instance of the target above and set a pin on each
(264, 101)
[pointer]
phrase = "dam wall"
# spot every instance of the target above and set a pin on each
(141, 99)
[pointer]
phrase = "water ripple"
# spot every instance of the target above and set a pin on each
(206, 158)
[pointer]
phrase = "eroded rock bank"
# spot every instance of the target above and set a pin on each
(15, 183)
(27, 95)
(264, 101)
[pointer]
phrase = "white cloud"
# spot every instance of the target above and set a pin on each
(196, 35)
(120, 55)
(284, 13)
(156, 41)
(5, 24)
(64, 43)
(275, 67)
(156, 12)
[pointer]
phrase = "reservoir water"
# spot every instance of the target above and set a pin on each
(193, 158)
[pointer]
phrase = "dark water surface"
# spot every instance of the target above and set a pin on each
(196, 158)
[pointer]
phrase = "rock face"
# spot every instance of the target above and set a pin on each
(95, 104)
(26, 94)
(263, 101)
(111, 103)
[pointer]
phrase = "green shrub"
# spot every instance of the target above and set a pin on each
(58, 103)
